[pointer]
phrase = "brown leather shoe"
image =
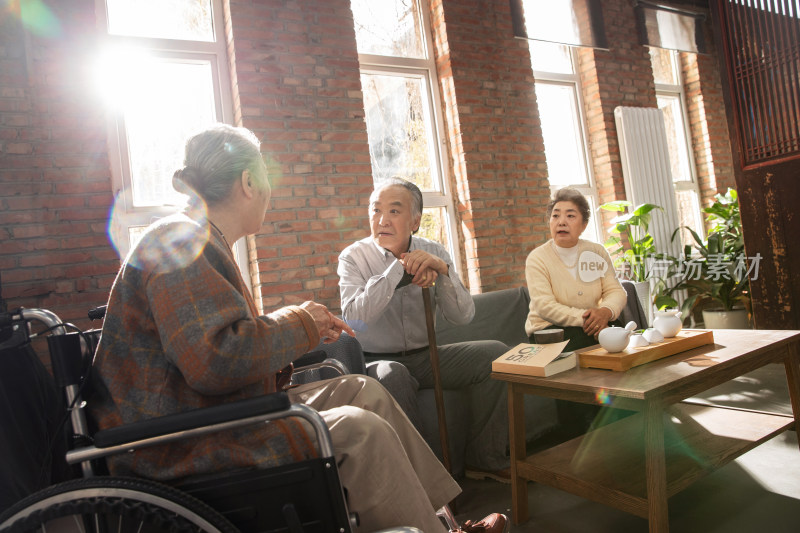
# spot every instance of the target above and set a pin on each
(503, 476)
(493, 523)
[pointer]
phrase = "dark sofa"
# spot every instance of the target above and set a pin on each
(499, 315)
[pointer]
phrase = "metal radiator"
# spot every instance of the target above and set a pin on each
(644, 154)
(646, 168)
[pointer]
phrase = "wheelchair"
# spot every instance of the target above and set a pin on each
(305, 496)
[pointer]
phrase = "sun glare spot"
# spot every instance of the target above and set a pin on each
(274, 171)
(169, 248)
(117, 74)
(39, 19)
(358, 325)
(602, 397)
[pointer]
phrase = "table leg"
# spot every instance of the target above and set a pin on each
(792, 364)
(655, 466)
(516, 439)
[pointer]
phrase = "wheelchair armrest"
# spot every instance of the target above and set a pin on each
(199, 422)
(195, 418)
(310, 358)
(208, 416)
(327, 363)
(316, 360)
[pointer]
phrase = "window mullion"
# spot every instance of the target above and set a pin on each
(163, 45)
(555, 77)
(393, 62)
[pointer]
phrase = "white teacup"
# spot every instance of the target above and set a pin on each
(637, 341)
(652, 335)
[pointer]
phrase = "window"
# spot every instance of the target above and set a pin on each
(671, 101)
(402, 108)
(163, 74)
(560, 105)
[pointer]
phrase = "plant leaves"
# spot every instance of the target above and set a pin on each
(663, 301)
(619, 205)
(622, 219)
(645, 209)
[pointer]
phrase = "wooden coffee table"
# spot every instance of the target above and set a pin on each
(637, 463)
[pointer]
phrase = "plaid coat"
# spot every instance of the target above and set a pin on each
(181, 332)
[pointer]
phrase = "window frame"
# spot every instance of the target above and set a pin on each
(215, 54)
(121, 175)
(425, 68)
(589, 189)
(677, 91)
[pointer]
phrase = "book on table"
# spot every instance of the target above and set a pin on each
(535, 360)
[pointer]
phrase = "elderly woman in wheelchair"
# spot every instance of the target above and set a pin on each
(182, 332)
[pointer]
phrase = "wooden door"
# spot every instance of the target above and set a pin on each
(760, 61)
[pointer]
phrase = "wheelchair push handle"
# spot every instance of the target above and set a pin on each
(46, 317)
(97, 313)
(23, 314)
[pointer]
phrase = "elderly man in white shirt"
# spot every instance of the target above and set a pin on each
(380, 280)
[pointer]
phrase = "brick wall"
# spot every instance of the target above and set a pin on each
(296, 84)
(299, 89)
(494, 136)
(54, 170)
(708, 123)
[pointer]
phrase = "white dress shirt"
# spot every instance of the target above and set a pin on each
(388, 320)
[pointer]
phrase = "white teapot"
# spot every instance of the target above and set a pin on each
(668, 322)
(614, 338)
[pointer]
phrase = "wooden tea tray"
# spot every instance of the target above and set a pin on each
(630, 357)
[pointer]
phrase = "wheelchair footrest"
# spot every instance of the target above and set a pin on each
(254, 499)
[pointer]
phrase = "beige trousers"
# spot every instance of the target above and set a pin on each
(391, 475)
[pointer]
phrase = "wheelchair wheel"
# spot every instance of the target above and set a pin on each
(112, 504)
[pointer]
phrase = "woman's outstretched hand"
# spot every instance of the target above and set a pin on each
(329, 326)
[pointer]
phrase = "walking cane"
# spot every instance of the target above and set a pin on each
(437, 378)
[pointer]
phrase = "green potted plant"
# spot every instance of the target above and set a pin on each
(714, 271)
(632, 246)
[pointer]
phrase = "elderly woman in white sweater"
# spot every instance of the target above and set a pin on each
(571, 281)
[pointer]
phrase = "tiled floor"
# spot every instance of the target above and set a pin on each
(759, 492)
